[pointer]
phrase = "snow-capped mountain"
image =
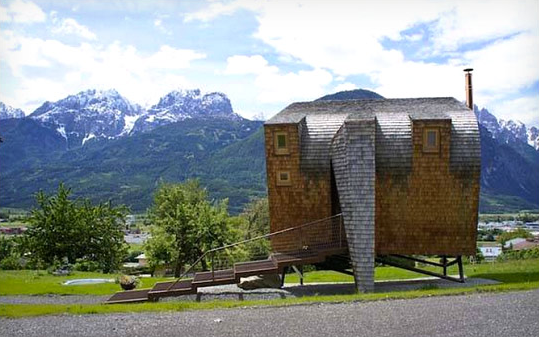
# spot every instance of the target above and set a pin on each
(106, 114)
(8, 112)
(507, 131)
(89, 114)
(180, 105)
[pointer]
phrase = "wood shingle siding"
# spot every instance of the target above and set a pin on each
(395, 197)
(353, 161)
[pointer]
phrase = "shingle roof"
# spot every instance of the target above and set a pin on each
(320, 120)
(416, 108)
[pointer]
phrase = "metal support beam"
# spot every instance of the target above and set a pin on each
(426, 272)
(285, 269)
(444, 262)
(299, 271)
(461, 269)
(418, 260)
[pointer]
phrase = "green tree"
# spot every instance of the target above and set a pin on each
(256, 214)
(254, 222)
(61, 228)
(185, 225)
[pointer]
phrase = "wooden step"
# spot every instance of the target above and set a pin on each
(219, 277)
(172, 288)
(129, 296)
(250, 268)
(296, 258)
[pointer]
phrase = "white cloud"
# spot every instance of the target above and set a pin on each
(413, 37)
(159, 24)
(171, 58)
(241, 65)
(524, 109)
(21, 11)
(344, 37)
(473, 21)
(507, 65)
(417, 79)
(272, 86)
(140, 77)
(72, 27)
(345, 86)
(216, 9)
(290, 87)
(4, 15)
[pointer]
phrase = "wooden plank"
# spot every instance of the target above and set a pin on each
(130, 296)
(251, 268)
(219, 277)
(172, 288)
(296, 258)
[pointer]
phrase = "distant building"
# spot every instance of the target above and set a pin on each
(142, 260)
(511, 243)
(490, 251)
(136, 238)
(526, 244)
(12, 230)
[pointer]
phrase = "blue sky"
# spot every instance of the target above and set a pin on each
(267, 54)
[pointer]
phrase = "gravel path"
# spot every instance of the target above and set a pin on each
(53, 299)
(508, 314)
(232, 291)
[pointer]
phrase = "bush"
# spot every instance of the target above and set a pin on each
(525, 254)
(60, 267)
(11, 262)
(10, 255)
(85, 265)
(132, 256)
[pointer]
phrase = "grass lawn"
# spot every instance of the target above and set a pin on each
(31, 282)
(516, 275)
(511, 271)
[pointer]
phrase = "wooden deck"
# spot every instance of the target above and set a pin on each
(274, 265)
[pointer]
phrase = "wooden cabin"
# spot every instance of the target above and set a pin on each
(404, 173)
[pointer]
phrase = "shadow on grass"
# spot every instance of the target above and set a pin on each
(516, 277)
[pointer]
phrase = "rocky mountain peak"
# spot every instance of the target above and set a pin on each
(177, 98)
(7, 112)
(507, 131)
(179, 105)
(89, 114)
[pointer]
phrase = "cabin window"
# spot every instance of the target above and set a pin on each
(431, 140)
(283, 178)
(281, 143)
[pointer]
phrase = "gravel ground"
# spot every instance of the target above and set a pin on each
(233, 292)
(507, 314)
(53, 299)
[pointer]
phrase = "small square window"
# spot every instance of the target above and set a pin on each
(431, 140)
(283, 178)
(281, 143)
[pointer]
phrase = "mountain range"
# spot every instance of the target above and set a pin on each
(94, 114)
(107, 148)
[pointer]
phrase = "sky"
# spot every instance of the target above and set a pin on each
(267, 54)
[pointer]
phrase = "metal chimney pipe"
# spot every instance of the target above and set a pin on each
(468, 85)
